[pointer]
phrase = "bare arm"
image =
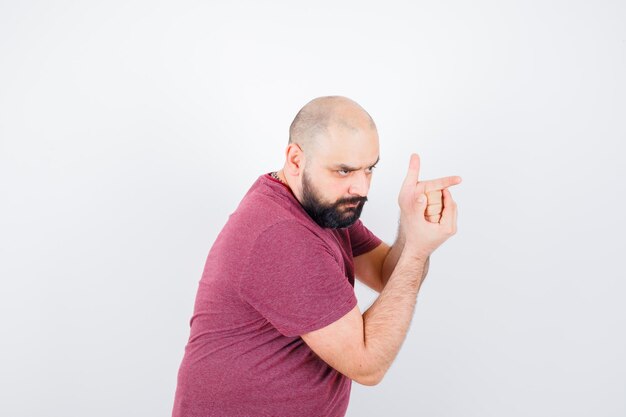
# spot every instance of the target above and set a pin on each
(392, 257)
(374, 268)
(363, 347)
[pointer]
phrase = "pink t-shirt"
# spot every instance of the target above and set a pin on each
(271, 275)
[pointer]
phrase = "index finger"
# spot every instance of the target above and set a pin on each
(441, 183)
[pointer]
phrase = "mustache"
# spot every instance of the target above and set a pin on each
(351, 200)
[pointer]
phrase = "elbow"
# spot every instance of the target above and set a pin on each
(369, 370)
(371, 379)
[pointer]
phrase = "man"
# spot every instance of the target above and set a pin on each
(276, 329)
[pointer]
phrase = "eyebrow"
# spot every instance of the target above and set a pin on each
(349, 168)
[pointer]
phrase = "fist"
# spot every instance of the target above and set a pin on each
(434, 207)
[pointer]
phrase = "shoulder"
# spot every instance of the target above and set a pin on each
(290, 245)
(290, 233)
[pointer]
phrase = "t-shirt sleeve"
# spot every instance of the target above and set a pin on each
(362, 239)
(292, 278)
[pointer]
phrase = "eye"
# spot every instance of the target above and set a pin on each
(370, 169)
(343, 172)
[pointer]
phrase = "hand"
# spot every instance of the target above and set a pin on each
(434, 194)
(427, 224)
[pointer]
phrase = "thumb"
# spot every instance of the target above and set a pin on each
(421, 204)
(412, 174)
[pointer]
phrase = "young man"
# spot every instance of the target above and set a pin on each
(276, 329)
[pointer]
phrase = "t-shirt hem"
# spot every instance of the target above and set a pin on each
(369, 246)
(335, 315)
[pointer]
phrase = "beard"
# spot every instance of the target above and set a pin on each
(329, 215)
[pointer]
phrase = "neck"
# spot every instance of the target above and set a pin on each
(280, 177)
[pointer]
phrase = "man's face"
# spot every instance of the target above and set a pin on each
(337, 176)
(340, 213)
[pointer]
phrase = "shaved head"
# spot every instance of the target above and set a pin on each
(323, 116)
(332, 151)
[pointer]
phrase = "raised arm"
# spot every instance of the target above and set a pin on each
(363, 347)
(374, 268)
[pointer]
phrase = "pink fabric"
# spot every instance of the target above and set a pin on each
(271, 275)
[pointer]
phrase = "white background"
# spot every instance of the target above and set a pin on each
(129, 130)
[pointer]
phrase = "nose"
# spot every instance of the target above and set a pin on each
(360, 184)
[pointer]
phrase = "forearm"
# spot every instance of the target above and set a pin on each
(387, 321)
(391, 260)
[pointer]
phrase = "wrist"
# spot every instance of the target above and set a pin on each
(415, 254)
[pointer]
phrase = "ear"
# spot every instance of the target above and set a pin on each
(294, 159)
